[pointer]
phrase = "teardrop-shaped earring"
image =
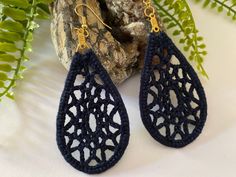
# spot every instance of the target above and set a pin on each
(92, 122)
(172, 100)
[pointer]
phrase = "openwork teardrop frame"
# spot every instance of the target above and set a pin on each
(92, 122)
(172, 100)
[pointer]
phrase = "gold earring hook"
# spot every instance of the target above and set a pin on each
(83, 32)
(84, 18)
(149, 12)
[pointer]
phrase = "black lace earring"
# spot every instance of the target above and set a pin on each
(92, 122)
(172, 100)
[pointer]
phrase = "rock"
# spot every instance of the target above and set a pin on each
(120, 50)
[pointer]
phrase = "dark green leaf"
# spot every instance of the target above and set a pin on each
(213, 5)
(11, 26)
(176, 32)
(10, 36)
(202, 46)
(171, 25)
(44, 7)
(17, 3)
(44, 1)
(16, 14)
(7, 58)
(2, 85)
(42, 14)
(206, 3)
(22, 68)
(220, 9)
(8, 47)
(5, 67)
(10, 95)
(3, 77)
(18, 76)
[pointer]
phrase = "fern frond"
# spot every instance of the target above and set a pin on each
(228, 6)
(177, 17)
(17, 24)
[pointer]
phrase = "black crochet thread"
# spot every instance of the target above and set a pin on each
(92, 123)
(172, 100)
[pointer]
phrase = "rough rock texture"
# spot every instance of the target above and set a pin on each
(121, 50)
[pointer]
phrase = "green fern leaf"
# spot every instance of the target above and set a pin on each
(17, 24)
(227, 6)
(20, 4)
(16, 14)
(12, 26)
(181, 23)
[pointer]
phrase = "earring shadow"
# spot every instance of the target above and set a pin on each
(37, 99)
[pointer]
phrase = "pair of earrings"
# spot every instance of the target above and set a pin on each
(92, 123)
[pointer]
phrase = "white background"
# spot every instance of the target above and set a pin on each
(27, 126)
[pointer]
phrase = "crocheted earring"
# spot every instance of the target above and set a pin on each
(172, 100)
(92, 122)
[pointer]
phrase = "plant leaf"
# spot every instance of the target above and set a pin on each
(16, 14)
(10, 95)
(5, 67)
(11, 26)
(45, 1)
(227, 6)
(17, 24)
(41, 14)
(7, 58)
(17, 3)
(3, 77)
(182, 25)
(10, 36)
(8, 47)
(2, 85)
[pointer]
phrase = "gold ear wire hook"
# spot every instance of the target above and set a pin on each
(84, 18)
(149, 12)
(83, 32)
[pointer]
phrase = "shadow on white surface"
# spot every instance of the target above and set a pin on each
(28, 125)
(37, 102)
